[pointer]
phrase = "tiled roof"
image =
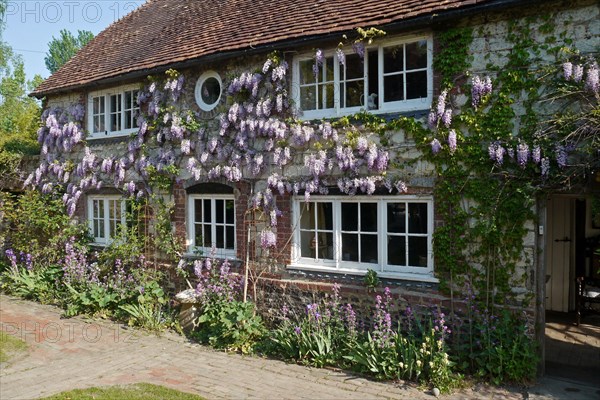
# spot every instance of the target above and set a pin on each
(163, 32)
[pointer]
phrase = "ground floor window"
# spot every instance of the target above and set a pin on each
(211, 224)
(105, 215)
(386, 234)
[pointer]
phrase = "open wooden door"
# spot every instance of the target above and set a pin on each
(559, 254)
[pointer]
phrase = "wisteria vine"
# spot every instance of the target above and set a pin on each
(259, 138)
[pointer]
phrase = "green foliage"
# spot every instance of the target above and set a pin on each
(497, 348)
(63, 48)
(230, 325)
(36, 224)
(371, 279)
(19, 114)
(453, 59)
(414, 355)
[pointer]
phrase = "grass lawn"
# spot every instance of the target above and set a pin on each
(139, 391)
(9, 346)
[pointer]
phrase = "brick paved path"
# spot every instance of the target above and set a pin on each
(78, 353)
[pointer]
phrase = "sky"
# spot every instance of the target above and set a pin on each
(30, 25)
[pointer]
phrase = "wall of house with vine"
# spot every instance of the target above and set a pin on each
(480, 152)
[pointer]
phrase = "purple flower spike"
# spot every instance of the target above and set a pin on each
(436, 146)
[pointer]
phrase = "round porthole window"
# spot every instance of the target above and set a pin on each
(208, 90)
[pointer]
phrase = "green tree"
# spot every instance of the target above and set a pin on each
(61, 49)
(19, 114)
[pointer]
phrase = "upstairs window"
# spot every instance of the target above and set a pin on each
(392, 77)
(112, 112)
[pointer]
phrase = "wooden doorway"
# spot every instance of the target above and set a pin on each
(560, 246)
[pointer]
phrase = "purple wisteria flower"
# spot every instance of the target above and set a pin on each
(436, 146)
(319, 58)
(496, 152)
(479, 89)
(522, 154)
(359, 49)
(561, 156)
(536, 154)
(591, 82)
(441, 104)
(567, 70)
(341, 56)
(452, 141)
(447, 118)
(578, 73)
(545, 167)
(268, 239)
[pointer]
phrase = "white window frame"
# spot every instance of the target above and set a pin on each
(191, 225)
(424, 274)
(105, 97)
(107, 236)
(383, 107)
(197, 91)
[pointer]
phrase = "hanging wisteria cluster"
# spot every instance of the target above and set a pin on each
(576, 72)
(539, 153)
(258, 138)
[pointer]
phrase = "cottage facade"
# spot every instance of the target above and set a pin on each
(332, 237)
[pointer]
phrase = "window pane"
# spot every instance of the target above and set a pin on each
(229, 211)
(350, 217)
(328, 75)
(416, 85)
(326, 96)
(220, 211)
(416, 55)
(354, 94)
(128, 100)
(349, 247)
(210, 91)
(207, 236)
(97, 208)
(96, 228)
(368, 217)
(207, 211)
(368, 249)
(307, 244)
(220, 239)
(101, 232)
(396, 250)
(99, 123)
(308, 98)
(325, 216)
(373, 76)
(96, 107)
(393, 88)
(396, 217)
(198, 211)
(198, 231)
(354, 66)
(325, 243)
(417, 251)
(230, 238)
(393, 59)
(307, 218)
(417, 217)
(306, 72)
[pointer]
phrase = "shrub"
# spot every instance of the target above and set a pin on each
(320, 337)
(224, 321)
(496, 347)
